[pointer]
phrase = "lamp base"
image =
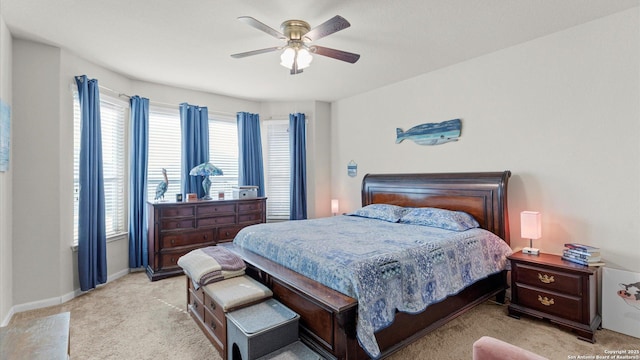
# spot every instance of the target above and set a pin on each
(531, 251)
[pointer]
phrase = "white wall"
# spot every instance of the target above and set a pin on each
(561, 112)
(6, 248)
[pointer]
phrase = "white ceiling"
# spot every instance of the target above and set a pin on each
(188, 43)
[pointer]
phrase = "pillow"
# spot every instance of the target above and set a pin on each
(440, 218)
(386, 212)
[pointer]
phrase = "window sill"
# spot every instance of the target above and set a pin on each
(110, 239)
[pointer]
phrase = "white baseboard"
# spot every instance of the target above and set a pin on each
(55, 300)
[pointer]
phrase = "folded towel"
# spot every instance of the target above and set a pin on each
(210, 264)
(219, 275)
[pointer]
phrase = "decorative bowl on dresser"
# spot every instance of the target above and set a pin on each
(175, 228)
(547, 287)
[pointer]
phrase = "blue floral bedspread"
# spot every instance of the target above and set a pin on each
(384, 265)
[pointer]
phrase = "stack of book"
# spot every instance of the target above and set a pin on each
(582, 254)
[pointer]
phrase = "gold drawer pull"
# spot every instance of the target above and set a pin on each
(173, 241)
(546, 278)
(545, 300)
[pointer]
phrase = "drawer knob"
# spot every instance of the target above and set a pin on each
(173, 241)
(545, 301)
(213, 325)
(195, 305)
(546, 278)
(227, 233)
(213, 305)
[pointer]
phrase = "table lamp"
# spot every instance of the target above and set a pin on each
(335, 206)
(530, 228)
(205, 169)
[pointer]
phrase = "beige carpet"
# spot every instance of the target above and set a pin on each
(133, 318)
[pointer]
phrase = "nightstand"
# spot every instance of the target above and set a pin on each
(547, 287)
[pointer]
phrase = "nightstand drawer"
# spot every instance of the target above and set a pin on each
(567, 307)
(549, 279)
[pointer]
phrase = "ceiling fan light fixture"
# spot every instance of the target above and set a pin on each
(302, 57)
(287, 57)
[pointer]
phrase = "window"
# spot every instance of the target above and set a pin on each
(278, 166)
(223, 153)
(112, 115)
(165, 151)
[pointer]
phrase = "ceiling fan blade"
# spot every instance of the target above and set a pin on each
(262, 27)
(328, 27)
(336, 54)
(256, 52)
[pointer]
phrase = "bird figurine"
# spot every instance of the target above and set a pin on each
(162, 186)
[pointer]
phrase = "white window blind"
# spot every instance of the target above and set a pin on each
(278, 170)
(223, 153)
(164, 151)
(112, 116)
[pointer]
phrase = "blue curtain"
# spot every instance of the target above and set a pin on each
(298, 151)
(92, 235)
(250, 168)
(138, 163)
(194, 125)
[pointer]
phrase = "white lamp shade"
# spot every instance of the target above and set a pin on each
(530, 225)
(304, 58)
(286, 59)
(335, 206)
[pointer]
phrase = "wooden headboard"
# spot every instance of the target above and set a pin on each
(481, 194)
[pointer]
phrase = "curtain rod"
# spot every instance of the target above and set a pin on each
(121, 94)
(222, 113)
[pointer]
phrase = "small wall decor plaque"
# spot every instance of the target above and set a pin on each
(431, 133)
(352, 168)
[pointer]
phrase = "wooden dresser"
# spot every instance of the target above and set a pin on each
(175, 228)
(548, 287)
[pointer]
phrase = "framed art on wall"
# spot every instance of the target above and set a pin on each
(5, 135)
(621, 301)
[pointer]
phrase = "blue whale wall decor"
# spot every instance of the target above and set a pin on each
(431, 133)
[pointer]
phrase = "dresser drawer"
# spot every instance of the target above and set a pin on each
(170, 259)
(249, 207)
(199, 294)
(213, 210)
(216, 221)
(216, 326)
(250, 218)
(214, 308)
(565, 306)
(549, 279)
(182, 239)
(176, 224)
(177, 211)
(196, 306)
(228, 233)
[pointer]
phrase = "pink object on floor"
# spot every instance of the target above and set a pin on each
(488, 348)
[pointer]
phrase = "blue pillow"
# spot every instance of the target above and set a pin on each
(386, 212)
(440, 218)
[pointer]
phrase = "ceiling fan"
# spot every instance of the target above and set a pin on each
(298, 36)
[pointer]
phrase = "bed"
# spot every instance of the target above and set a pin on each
(329, 318)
